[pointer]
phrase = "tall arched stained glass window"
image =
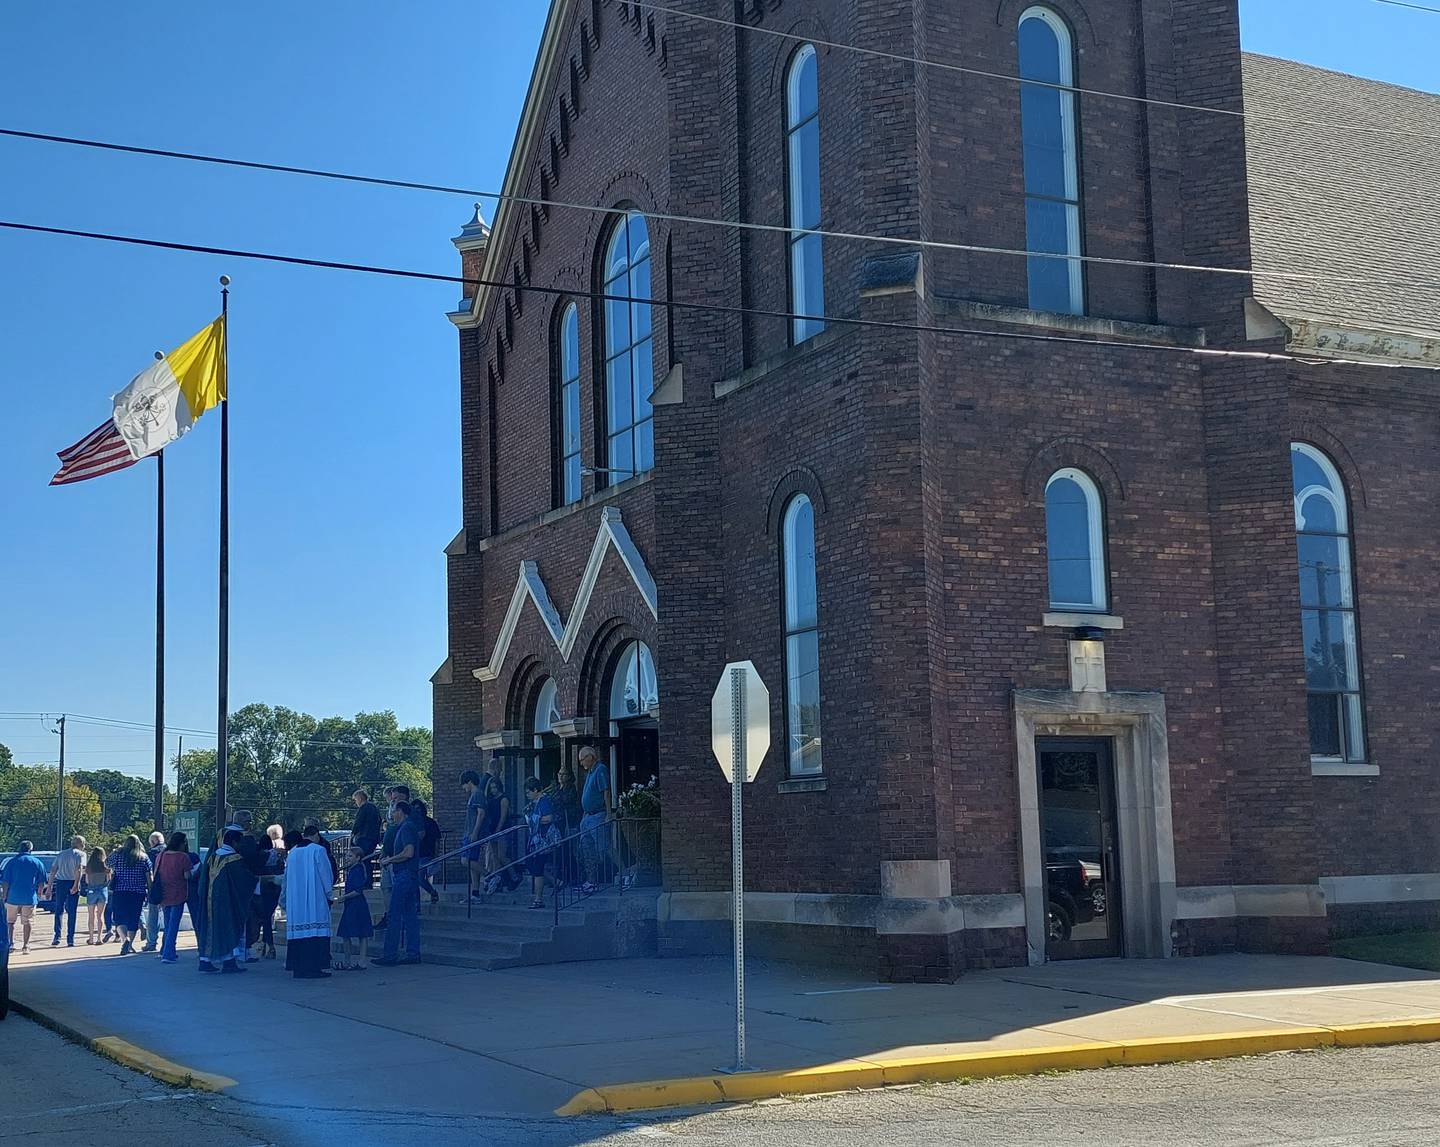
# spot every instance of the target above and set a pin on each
(567, 407)
(1052, 172)
(629, 351)
(1327, 608)
(1075, 542)
(802, 639)
(802, 136)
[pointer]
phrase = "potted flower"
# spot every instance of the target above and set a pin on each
(640, 825)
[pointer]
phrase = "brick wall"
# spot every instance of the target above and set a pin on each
(926, 456)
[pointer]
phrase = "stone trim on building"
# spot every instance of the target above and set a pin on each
(529, 585)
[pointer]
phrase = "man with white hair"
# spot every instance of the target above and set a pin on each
(65, 887)
(152, 908)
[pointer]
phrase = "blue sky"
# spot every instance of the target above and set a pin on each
(345, 464)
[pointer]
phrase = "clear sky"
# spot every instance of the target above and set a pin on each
(344, 426)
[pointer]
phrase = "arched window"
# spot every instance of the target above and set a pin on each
(634, 688)
(1327, 608)
(547, 710)
(629, 351)
(802, 135)
(567, 407)
(1075, 541)
(1052, 172)
(802, 639)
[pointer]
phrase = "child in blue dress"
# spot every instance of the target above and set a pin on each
(355, 925)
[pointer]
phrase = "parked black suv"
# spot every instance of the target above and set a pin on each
(1076, 896)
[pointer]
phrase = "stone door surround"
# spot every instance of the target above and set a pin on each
(1135, 722)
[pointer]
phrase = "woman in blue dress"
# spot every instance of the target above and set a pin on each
(355, 923)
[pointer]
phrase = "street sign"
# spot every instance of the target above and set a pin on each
(189, 824)
(740, 736)
(755, 723)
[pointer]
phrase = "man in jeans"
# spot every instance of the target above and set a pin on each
(403, 911)
(65, 887)
(152, 909)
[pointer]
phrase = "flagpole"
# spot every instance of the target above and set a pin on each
(159, 809)
(222, 749)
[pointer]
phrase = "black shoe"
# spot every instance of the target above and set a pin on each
(55, 943)
(230, 966)
(127, 948)
(208, 967)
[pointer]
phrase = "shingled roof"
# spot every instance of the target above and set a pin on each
(1338, 200)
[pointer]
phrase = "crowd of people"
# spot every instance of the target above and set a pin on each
(556, 819)
(137, 895)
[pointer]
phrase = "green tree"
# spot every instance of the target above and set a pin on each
(7, 758)
(28, 806)
(127, 802)
(286, 766)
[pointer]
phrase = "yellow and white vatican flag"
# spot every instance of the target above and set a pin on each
(163, 401)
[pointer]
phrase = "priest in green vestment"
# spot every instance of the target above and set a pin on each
(227, 887)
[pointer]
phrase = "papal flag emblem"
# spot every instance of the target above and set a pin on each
(161, 403)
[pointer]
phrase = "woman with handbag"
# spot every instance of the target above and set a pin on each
(170, 889)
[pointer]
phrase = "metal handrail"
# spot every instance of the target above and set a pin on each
(564, 848)
(469, 874)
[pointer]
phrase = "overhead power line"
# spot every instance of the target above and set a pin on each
(901, 58)
(712, 308)
(708, 221)
(1412, 7)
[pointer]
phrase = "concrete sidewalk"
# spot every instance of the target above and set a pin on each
(581, 1037)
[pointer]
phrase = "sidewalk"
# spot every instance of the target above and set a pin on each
(568, 1036)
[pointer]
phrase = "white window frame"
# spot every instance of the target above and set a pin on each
(801, 329)
(547, 709)
(1338, 497)
(1070, 127)
(635, 663)
(788, 567)
(569, 376)
(619, 284)
(1095, 526)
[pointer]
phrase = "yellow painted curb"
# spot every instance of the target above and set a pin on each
(165, 1070)
(1424, 1030)
(851, 1074)
(127, 1054)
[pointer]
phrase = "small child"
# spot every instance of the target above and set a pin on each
(355, 917)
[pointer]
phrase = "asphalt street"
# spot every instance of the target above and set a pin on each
(53, 1092)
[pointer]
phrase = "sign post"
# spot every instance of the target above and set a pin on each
(740, 737)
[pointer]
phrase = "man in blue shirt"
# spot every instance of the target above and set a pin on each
(21, 880)
(403, 912)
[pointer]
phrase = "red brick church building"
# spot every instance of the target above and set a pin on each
(1080, 640)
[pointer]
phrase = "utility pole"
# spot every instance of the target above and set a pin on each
(60, 802)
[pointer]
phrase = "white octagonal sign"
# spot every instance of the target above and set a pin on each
(755, 736)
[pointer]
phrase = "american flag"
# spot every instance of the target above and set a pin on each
(102, 451)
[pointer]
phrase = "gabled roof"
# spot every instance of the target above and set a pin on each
(1343, 201)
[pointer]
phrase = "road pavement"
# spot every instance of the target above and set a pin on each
(65, 1096)
(526, 1040)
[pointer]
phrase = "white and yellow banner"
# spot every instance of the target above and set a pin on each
(163, 401)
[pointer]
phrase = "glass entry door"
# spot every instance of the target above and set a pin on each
(1082, 872)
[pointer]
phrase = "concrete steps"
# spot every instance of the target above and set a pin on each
(505, 932)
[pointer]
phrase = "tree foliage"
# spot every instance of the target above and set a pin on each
(28, 798)
(286, 766)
